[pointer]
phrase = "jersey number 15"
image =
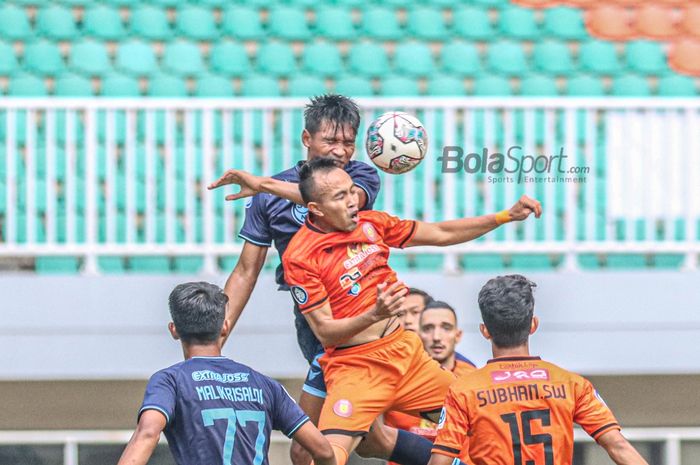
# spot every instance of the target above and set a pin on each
(528, 438)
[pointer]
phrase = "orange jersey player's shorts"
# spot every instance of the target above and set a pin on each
(364, 381)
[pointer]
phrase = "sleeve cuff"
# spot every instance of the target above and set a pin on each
(255, 241)
(313, 306)
(370, 201)
(444, 450)
(154, 407)
(604, 429)
(296, 427)
(410, 235)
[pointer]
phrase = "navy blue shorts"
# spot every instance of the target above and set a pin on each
(312, 349)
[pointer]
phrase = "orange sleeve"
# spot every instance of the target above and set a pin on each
(395, 231)
(453, 426)
(592, 413)
(308, 291)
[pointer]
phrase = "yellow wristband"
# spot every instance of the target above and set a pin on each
(503, 217)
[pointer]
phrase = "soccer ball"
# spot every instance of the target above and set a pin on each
(396, 142)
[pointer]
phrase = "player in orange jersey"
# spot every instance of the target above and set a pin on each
(519, 409)
(337, 268)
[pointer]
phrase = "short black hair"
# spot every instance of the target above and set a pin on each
(435, 304)
(507, 305)
(198, 310)
(307, 184)
(337, 110)
(427, 298)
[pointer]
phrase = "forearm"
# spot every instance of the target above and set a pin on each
(239, 286)
(286, 190)
(139, 449)
(462, 230)
(625, 454)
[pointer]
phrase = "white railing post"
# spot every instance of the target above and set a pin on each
(91, 192)
(207, 158)
(449, 192)
(571, 214)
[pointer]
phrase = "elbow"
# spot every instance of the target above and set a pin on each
(150, 434)
(324, 454)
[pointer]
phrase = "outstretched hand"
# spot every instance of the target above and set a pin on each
(524, 207)
(390, 300)
(249, 183)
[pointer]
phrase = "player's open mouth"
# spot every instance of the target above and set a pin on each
(354, 216)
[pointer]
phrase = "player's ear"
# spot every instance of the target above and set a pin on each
(313, 208)
(306, 138)
(173, 331)
(534, 325)
(458, 336)
(484, 332)
(225, 328)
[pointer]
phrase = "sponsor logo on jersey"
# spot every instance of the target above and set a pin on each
(358, 253)
(506, 376)
(299, 213)
(343, 408)
(370, 232)
(248, 202)
(355, 289)
(443, 415)
(300, 295)
(208, 375)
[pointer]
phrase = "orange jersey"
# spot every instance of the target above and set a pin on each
(344, 268)
(520, 410)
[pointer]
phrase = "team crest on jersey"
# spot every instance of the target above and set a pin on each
(356, 248)
(299, 213)
(354, 290)
(370, 232)
(343, 408)
(248, 202)
(443, 415)
(300, 295)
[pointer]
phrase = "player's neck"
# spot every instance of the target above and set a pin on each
(318, 223)
(520, 351)
(449, 363)
(200, 350)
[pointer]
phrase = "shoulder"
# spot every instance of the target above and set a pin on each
(464, 360)
(299, 245)
(355, 166)
(291, 174)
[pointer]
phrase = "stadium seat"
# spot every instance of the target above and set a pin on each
(538, 85)
(630, 85)
(155, 265)
(276, 58)
(684, 56)
(354, 86)
(8, 61)
(288, 23)
(136, 57)
(195, 22)
(56, 265)
(482, 262)
(584, 85)
(443, 85)
(165, 85)
(645, 57)
(119, 85)
(260, 86)
(492, 3)
(426, 23)
(89, 57)
(413, 59)
(242, 23)
(380, 23)
(609, 21)
(103, 22)
(626, 261)
(14, 24)
(489, 85)
(150, 22)
(43, 58)
(190, 265)
(531, 262)
(518, 23)
(553, 57)
(335, 23)
(72, 85)
(566, 23)
(655, 21)
(56, 22)
(460, 58)
(599, 57)
(229, 58)
(398, 86)
(368, 59)
(674, 85)
(691, 20)
(323, 59)
(472, 23)
(305, 86)
(507, 57)
(211, 85)
(183, 58)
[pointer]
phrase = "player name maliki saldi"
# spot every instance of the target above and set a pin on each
(521, 393)
(233, 394)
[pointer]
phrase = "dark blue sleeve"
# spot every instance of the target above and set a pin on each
(256, 227)
(367, 179)
(287, 416)
(160, 395)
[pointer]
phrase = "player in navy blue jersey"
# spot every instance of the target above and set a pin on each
(214, 410)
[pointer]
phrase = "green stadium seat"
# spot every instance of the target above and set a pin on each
(507, 57)
(630, 85)
(167, 3)
(590, 261)
(190, 265)
(213, 3)
(154, 265)
(584, 85)
(673, 261)
(111, 265)
(645, 57)
(413, 59)
(626, 261)
(165, 85)
(599, 57)
(276, 58)
(8, 61)
(43, 58)
(119, 85)
(381, 23)
(566, 23)
(121, 3)
(56, 265)
(429, 261)
(288, 23)
(335, 23)
(538, 85)
(323, 59)
(136, 57)
(350, 3)
(260, 86)
(460, 58)
(518, 23)
(482, 262)
(492, 3)
(305, 86)
(183, 58)
(26, 85)
(399, 86)
(242, 23)
(150, 22)
(72, 85)
(229, 58)
(675, 85)
(354, 86)
(472, 23)
(489, 85)
(531, 262)
(368, 59)
(14, 24)
(443, 85)
(103, 22)
(211, 85)
(399, 262)
(553, 57)
(56, 22)
(89, 57)
(195, 22)
(426, 23)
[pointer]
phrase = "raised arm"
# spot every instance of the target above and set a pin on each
(315, 444)
(144, 440)
(619, 449)
(466, 229)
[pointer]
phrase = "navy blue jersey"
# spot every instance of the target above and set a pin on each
(220, 411)
(464, 359)
(271, 219)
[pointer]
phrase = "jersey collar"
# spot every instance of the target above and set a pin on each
(513, 359)
(312, 226)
